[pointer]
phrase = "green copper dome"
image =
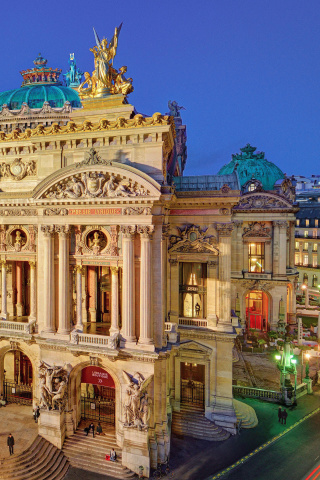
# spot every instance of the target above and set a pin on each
(40, 84)
(253, 165)
(35, 96)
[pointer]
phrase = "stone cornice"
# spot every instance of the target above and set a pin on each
(207, 335)
(138, 121)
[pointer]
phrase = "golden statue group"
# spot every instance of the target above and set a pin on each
(105, 79)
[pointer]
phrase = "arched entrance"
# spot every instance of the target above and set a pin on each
(17, 378)
(97, 395)
(257, 312)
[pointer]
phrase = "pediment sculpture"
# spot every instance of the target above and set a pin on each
(251, 202)
(95, 185)
(53, 382)
(137, 404)
(256, 229)
(193, 240)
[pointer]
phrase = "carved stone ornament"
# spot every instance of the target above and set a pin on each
(95, 185)
(53, 386)
(21, 212)
(95, 240)
(137, 404)
(225, 188)
(136, 211)
(193, 240)
(256, 229)
(146, 231)
(55, 211)
(128, 230)
(259, 201)
(18, 169)
(93, 159)
(224, 229)
(257, 285)
(19, 238)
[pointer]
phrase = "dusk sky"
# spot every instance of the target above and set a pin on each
(247, 71)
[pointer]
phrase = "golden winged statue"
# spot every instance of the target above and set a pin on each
(105, 79)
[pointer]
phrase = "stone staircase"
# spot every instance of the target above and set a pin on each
(191, 422)
(89, 453)
(41, 461)
(246, 414)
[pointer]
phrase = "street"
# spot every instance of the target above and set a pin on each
(294, 456)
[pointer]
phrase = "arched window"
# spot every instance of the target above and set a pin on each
(314, 280)
(305, 279)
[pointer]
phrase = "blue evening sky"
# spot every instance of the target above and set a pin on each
(245, 70)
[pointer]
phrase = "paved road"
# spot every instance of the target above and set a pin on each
(294, 456)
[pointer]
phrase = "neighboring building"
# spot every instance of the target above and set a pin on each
(119, 290)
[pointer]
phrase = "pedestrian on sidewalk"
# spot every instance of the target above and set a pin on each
(279, 414)
(10, 443)
(284, 417)
(91, 427)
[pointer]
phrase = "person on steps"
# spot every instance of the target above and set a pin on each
(10, 443)
(113, 455)
(91, 427)
(99, 429)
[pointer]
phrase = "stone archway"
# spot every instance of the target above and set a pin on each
(257, 310)
(75, 406)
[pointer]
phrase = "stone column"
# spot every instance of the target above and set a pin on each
(4, 312)
(92, 290)
(64, 320)
(33, 292)
(79, 325)
(225, 231)
(282, 247)
(128, 304)
(276, 248)
(114, 300)
(237, 261)
(145, 285)
(19, 272)
(48, 287)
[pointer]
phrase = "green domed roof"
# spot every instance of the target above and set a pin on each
(40, 84)
(253, 165)
(35, 96)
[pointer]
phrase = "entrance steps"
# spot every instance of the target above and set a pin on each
(41, 461)
(89, 453)
(245, 413)
(191, 422)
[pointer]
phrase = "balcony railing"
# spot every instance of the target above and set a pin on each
(87, 339)
(307, 265)
(19, 327)
(193, 322)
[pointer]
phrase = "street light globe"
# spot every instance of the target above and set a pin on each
(303, 286)
(307, 356)
(293, 360)
(278, 357)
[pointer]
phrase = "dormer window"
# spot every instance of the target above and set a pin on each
(307, 222)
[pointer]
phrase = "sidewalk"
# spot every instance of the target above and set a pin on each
(193, 459)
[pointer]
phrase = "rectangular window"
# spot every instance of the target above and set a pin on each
(316, 222)
(314, 261)
(315, 247)
(297, 259)
(306, 233)
(314, 233)
(297, 222)
(297, 245)
(256, 257)
(305, 246)
(192, 289)
(305, 260)
(307, 222)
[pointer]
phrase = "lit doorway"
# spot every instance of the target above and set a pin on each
(257, 310)
(97, 395)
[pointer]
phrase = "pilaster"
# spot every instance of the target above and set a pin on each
(145, 285)
(64, 320)
(48, 286)
(128, 290)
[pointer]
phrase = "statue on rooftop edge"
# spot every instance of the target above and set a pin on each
(73, 75)
(105, 79)
(174, 109)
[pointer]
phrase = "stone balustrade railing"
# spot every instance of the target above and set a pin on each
(79, 338)
(269, 395)
(20, 327)
(193, 322)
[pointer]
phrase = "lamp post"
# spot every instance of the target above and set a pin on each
(304, 287)
(287, 366)
(307, 365)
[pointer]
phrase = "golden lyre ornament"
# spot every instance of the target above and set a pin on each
(105, 79)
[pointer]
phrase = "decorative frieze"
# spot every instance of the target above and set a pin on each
(136, 211)
(55, 211)
(256, 229)
(193, 240)
(18, 169)
(21, 212)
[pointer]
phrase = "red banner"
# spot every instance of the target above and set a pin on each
(97, 376)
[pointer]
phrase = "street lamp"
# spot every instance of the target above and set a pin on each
(287, 366)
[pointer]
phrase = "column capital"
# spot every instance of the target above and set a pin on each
(114, 270)
(224, 229)
(32, 264)
(48, 230)
(280, 223)
(146, 231)
(78, 269)
(62, 230)
(237, 223)
(128, 231)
